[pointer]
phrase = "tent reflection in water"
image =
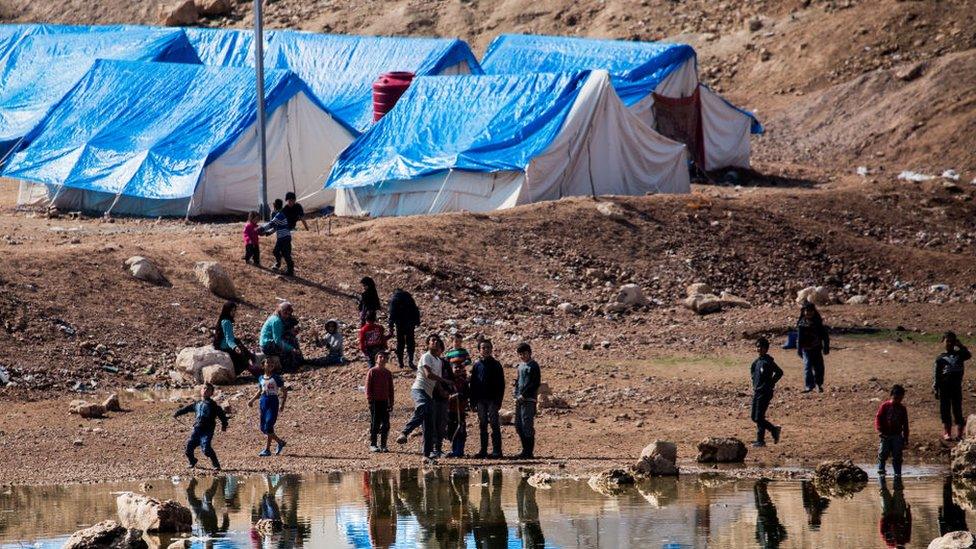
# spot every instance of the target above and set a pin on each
(167, 139)
(481, 143)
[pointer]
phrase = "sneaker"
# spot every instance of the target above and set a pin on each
(819, 388)
(374, 448)
(776, 431)
(758, 444)
(807, 390)
(281, 446)
(276, 267)
(191, 466)
(947, 437)
(402, 439)
(433, 456)
(265, 453)
(384, 449)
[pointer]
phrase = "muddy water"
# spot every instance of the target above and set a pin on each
(494, 508)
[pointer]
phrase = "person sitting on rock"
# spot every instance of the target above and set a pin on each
(765, 373)
(207, 413)
(891, 422)
(273, 341)
(224, 340)
(947, 385)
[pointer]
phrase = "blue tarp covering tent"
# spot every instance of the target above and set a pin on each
(225, 47)
(12, 34)
(43, 67)
(638, 70)
(341, 69)
(140, 138)
(489, 142)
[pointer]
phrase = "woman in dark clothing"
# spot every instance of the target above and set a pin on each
(369, 300)
(812, 343)
(224, 340)
(947, 384)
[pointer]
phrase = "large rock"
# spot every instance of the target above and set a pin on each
(112, 403)
(180, 14)
(658, 459)
(954, 540)
(106, 535)
(506, 417)
(542, 481)
(611, 482)
(731, 300)
(611, 210)
(699, 288)
(839, 478)
(631, 295)
(151, 515)
(218, 375)
(214, 8)
(215, 278)
(192, 360)
(964, 458)
(568, 309)
(721, 450)
(144, 269)
(818, 295)
(704, 304)
(86, 410)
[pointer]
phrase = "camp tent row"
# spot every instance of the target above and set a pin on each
(91, 140)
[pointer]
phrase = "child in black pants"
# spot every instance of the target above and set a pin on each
(207, 413)
(379, 393)
(457, 427)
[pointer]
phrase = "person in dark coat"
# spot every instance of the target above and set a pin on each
(765, 373)
(206, 412)
(812, 343)
(528, 378)
(947, 384)
(770, 532)
(404, 318)
(486, 390)
(369, 300)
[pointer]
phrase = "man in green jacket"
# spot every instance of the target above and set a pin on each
(272, 338)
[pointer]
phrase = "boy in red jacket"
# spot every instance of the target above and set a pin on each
(372, 338)
(379, 393)
(892, 425)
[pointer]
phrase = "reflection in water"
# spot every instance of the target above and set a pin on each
(813, 503)
(769, 531)
(489, 508)
(951, 517)
(896, 514)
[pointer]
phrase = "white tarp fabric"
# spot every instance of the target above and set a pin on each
(584, 141)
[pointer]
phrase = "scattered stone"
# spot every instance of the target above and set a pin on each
(549, 401)
(631, 295)
(112, 403)
(721, 450)
(699, 288)
(542, 481)
(818, 295)
(611, 482)
(182, 14)
(506, 417)
(611, 210)
(839, 478)
(704, 304)
(218, 375)
(568, 309)
(730, 300)
(215, 278)
(755, 24)
(910, 72)
(86, 410)
(658, 459)
(106, 535)
(151, 515)
(144, 269)
(214, 8)
(192, 360)
(954, 540)
(964, 458)
(857, 300)
(180, 544)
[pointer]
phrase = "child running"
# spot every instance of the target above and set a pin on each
(270, 385)
(252, 249)
(379, 394)
(457, 427)
(892, 425)
(765, 374)
(207, 413)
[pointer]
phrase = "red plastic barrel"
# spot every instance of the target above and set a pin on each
(387, 91)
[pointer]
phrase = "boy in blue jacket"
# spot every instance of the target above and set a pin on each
(207, 413)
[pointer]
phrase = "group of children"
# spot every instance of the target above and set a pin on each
(285, 217)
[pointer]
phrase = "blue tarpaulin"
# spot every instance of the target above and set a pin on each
(225, 47)
(476, 123)
(145, 130)
(636, 68)
(43, 67)
(341, 69)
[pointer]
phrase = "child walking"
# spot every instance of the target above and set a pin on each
(892, 425)
(207, 413)
(252, 250)
(282, 248)
(379, 394)
(457, 427)
(765, 374)
(270, 386)
(372, 338)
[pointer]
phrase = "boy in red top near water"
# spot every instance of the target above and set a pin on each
(252, 250)
(372, 338)
(892, 425)
(379, 393)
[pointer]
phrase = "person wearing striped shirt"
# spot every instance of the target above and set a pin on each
(280, 226)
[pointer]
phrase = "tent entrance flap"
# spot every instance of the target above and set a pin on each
(680, 119)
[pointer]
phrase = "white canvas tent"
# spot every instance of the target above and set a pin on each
(481, 143)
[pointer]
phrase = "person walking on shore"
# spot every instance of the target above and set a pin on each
(527, 381)
(812, 343)
(270, 386)
(422, 391)
(765, 373)
(892, 425)
(282, 248)
(486, 390)
(404, 318)
(947, 384)
(206, 412)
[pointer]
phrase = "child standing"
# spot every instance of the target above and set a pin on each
(372, 338)
(282, 249)
(379, 394)
(252, 250)
(949, 369)
(457, 427)
(527, 381)
(270, 386)
(765, 374)
(892, 425)
(458, 354)
(207, 413)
